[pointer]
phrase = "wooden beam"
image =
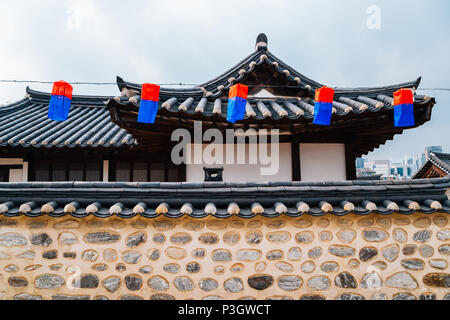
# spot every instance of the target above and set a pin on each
(433, 172)
(350, 158)
(31, 170)
(295, 155)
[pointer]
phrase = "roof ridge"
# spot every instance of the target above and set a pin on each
(36, 95)
(388, 89)
(441, 154)
(13, 105)
(439, 162)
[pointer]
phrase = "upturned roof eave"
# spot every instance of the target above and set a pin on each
(433, 161)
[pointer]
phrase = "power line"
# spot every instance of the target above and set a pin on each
(434, 89)
(169, 84)
(114, 83)
(89, 83)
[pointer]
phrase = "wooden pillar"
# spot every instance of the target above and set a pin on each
(181, 173)
(25, 171)
(105, 174)
(295, 155)
(112, 170)
(350, 158)
(31, 170)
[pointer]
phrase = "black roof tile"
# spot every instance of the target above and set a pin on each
(25, 123)
(440, 160)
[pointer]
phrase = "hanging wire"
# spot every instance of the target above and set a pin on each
(173, 84)
(88, 83)
(114, 83)
(434, 89)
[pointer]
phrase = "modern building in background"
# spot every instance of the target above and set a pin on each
(381, 167)
(402, 171)
(360, 163)
(408, 167)
(422, 159)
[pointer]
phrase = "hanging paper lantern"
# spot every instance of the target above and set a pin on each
(237, 100)
(149, 103)
(323, 106)
(60, 101)
(404, 108)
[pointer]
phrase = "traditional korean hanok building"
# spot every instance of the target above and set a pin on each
(94, 208)
(437, 166)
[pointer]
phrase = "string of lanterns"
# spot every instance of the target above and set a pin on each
(61, 98)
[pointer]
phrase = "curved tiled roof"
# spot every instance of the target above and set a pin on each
(91, 124)
(348, 102)
(440, 160)
(222, 200)
(209, 99)
(25, 123)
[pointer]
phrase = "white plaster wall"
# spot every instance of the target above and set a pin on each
(15, 175)
(322, 161)
(244, 172)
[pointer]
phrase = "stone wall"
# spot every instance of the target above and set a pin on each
(351, 257)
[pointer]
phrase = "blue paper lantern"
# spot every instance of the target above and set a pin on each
(237, 100)
(148, 107)
(404, 108)
(323, 106)
(60, 101)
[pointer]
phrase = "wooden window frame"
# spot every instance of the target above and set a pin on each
(181, 170)
(8, 167)
(32, 169)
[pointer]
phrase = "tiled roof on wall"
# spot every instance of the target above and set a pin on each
(222, 200)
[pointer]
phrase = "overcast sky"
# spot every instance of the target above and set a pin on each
(194, 41)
